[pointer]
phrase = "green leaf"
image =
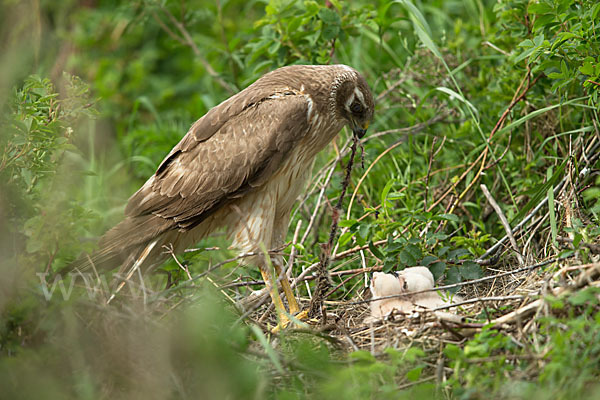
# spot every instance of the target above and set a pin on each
(454, 95)
(330, 32)
(428, 260)
(386, 190)
(376, 252)
(437, 269)
(585, 296)
(414, 374)
(452, 351)
(527, 43)
(363, 355)
(345, 238)
(329, 17)
(587, 68)
(347, 223)
(471, 270)
(412, 354)
(539, 8)
(452, 275)
(442, 251)
(524, 55)
(421, 27)
(447, 217)
(336, 3)
(410, 254)
(456, 254)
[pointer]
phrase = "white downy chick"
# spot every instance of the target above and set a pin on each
(409, 280)
(416, 279)
(383, 285)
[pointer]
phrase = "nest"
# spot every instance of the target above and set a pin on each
(509, 301)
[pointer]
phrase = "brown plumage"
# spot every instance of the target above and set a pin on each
(241, 166)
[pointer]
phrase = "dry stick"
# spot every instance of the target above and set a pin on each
(342, 284)
(479, 299)
(592, 272)
(594, 248)
(518, 227)
(169, 249)
(263, 294)
(293, 250)
(391, 88)
(139, 261)
(330, 166)
(416, 128)
(190, 282)
(498, 126)
(304, 277)
(316, 303)
(504, 221)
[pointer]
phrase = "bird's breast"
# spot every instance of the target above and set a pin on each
(290, 180)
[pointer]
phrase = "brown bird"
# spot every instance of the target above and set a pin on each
(241, 166)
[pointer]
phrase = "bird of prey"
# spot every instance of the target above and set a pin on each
(241, 167)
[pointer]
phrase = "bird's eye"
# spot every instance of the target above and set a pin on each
(356, 108)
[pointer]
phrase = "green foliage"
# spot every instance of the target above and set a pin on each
(366, 377)
(294, 31)
(450, 68)
(38, 129)
(568, 351)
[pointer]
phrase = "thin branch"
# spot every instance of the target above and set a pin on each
(316, 303)
(504, 221)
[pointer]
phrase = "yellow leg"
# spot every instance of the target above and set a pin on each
(289, 293)
(294, 309)
(273, 292)
(279, 307)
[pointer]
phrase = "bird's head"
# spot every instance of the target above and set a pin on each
(383, 284)
(354, 102)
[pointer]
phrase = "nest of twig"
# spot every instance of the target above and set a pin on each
(510, 301)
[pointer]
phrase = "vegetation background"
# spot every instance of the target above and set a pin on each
(94, 93)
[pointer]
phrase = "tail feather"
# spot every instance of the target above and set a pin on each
(122, 243)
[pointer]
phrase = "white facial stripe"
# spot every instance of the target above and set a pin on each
(360, 96)
(357, 94)
(349, 101)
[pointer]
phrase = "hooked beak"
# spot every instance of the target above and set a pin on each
(358, 130)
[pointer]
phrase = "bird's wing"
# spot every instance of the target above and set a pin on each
(226, 153)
